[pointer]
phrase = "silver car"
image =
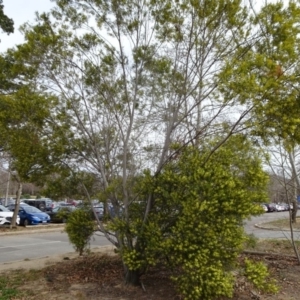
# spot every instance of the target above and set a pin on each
(6, 216)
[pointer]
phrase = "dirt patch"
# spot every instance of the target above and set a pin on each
(6, 230)
(100, 276)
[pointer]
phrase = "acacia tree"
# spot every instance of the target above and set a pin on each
(67, 184)
(135, 79)
(6, 24)
(283, 162)
(268, 78)
(138, 81)
(25, 125)
(286, 163)
(199, 211)
(22, 117)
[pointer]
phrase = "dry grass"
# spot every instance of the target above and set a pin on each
(283, 224)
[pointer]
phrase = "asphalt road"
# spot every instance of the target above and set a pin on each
(269, 234)
(36, 245)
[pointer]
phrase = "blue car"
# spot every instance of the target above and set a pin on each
(30, 215)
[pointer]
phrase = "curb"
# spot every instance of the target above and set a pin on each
(35, 229)
(261, 226)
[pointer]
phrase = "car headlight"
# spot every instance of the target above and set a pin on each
(36, 218)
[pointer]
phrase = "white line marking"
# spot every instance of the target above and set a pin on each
(36, 244)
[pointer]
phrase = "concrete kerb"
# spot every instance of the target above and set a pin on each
(262, 226)
(60, 227)
(35, 229)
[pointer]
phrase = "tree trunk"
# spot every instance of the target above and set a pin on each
(296, 186)
(294, 211)
(132, 277)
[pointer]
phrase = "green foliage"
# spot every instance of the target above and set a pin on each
(6, 292)
(63, 214)
(9, 284)
(69, 184)
(6, 24)
(268, 76)
(186, 65)
(197, 219)
(80, 228)
(251, 241)
(257, 273)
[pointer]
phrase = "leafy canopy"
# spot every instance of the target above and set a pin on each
(6, 24)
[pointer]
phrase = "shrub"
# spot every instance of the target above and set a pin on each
(196, 221)
(80, 228)
(258, 274)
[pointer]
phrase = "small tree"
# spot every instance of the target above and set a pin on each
(80, 228)
(197, 220)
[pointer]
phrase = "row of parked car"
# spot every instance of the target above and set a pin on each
(32, 212)
(273, 207)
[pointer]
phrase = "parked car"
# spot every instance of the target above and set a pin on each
(264, 207)
(12, 206)
(30, 215)
(66, 204)
(60, 214)
(44, 204)
(49, 203)
(6, 216)
(98, 208)
(8, 201)
(279, 207)
(271, 207)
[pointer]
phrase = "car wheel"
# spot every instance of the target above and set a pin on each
(26, 222)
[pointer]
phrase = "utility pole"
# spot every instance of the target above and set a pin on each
(7, 186)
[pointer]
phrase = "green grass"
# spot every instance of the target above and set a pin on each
(10, 282)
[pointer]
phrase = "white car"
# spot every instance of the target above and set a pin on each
(264, 207)
(6, 216)
(279, 207)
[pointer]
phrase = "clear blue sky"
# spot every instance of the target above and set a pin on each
(21, 11)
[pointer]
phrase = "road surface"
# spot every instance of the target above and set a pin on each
(269, 234)
(37, 245)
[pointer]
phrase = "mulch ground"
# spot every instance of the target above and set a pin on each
(98, 276)
(104, 277)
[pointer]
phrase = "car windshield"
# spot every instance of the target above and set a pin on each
(31, 209)
(3, 208)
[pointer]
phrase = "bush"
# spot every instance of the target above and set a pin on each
(80, 228)
(196, 221)
(258, 274)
